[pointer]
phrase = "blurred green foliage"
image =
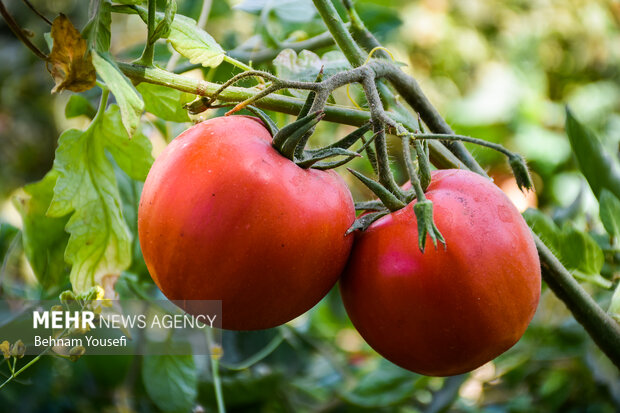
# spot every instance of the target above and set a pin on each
(501, 71)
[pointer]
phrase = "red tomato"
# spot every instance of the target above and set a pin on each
(224, 216)
(446, 311)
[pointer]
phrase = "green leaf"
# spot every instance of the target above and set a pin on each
(293, 11)
(78, 105)
(7, 235)
(577, 250)
(162, 30)
(44, 237)
(49, 40)
(165, 102)
(132, 155)
(385, 386)
(609, 210)
(100, 242)
(307, 65)
(126, 95)
(97, 30)
(130, 2)
(171, 382)
(600, 168)
(582, 254)
(194, 43)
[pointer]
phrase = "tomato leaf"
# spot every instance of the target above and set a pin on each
(127, 97)
(600, 168)
(132, 155)
(577, 250)
(194, 43)
(130, 2)
(162, 30)
(609, 211)
(293, 11)
(97, 30)
(171, 382)
(387, 385)
(164, 102)
(44, 237)
(71, 64)
(100, 242)
(306, 65)
(78, 105)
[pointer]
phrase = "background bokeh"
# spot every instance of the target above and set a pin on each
(501, 71)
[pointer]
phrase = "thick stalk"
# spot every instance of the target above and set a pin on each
(147, 55)
(339, 31)
(603, 329)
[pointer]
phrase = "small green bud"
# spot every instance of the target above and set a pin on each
(57, 308)
(66, 296)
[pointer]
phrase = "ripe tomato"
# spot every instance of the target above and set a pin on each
(224, 216)
(445, 311)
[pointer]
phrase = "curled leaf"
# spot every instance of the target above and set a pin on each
(71, 64)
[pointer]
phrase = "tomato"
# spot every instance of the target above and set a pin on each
(224, 216)
(445, 311)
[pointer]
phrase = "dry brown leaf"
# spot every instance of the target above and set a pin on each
(71, 63)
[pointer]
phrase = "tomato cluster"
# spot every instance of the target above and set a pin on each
(223, 216)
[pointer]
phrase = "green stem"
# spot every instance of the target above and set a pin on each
(215, 372)
(413, 176)
(452, 137)
(20, 371)
(30, 363)
(236, 63)
(147, 55)
(103, 102)
(603, 329)
(341, 35)
(217, 384)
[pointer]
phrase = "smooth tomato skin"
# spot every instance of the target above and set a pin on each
(224, 216)
(446, 311)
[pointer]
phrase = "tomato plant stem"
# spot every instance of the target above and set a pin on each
(147, 55)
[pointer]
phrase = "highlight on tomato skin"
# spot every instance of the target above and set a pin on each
(224, 216)
(445, 311)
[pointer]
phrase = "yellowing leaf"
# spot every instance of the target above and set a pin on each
(71, 65)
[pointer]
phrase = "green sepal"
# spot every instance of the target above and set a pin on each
(369, 206)
(335, 164)
(269, 123)
(325, 153)
(363, 222)
(426, 225)
(287, 139)
(389, 199)
(521, 173)
(305, 109)
(345, 142)
(372, 156)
